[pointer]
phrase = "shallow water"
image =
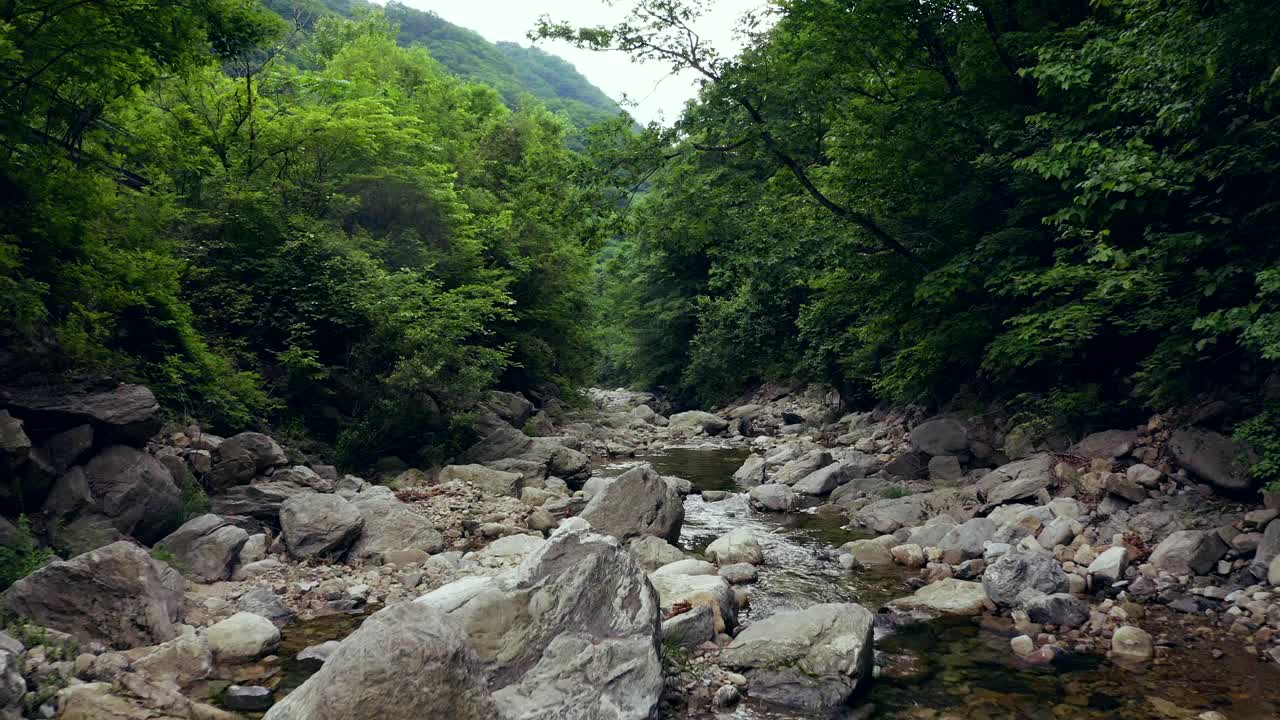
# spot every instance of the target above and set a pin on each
(952, 668)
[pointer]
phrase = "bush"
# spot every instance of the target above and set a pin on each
(23, 557)
(1262, 432)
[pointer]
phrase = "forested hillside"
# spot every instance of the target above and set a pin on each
(313, 228)
(515, 71)
(1070, 205)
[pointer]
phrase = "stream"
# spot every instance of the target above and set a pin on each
(949, 669)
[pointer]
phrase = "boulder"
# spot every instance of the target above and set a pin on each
(1105, 445)
(949, 596)
(698, 421)
(1188, 552)
(502, 443)
(265, 452)
(365, 675)
(1061, 609)
(1215, 459)
(1132, 644)
(314, 525)
(126, 414)
(1110, 565)
(565, 462)
(260, 501)
(1268, 550)
(511, 549)
(686, 566)
(183, 661)
(689, 629)
(678, 590)
(1020, 480)
(739, 573)
(940, 436)
(736, 546)
(305, 476)
(1121, 486)
(945, 468)
(804, 466)
(12, 684)
(136, 492)
(772, 497)
(653, 552)
(824, 480)
(264, 602)
(868, 553)
(968, 538)
(887, 515)
(513, 408)
(752, 472)
(909, 465)
(812, 660)
(572, 633)
(637, 503)
(390, 525)
(1014, 572)
(68, 447)
(494, 482)
(117, 595)
(242, 637)
(206, 547)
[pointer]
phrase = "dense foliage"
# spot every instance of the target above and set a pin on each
(312, 227)
(514, 70)
(1066, 203)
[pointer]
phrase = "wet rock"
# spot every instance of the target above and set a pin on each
(319, 652)
(247, 698)
(940, 436)
(1017, 571)
(689, 629)
(868, 553)
(574, 630)
(909, 555)
(686, 566)
(1188, 552)
(1131, 644)
(949, 596)
(390, 526)
(1022, 645)
(135, 492)
(365, 675)
(1063, 609)
(315, 524)
(737, 546)
(739, 573)
(206, 547)
(637, 503)
(117, 595)
(812, 660)
(698, 421)
(772, 498)
(679, 590)
(752, 472)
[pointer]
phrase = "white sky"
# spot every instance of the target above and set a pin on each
(660, 95)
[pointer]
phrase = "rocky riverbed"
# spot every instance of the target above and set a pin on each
(774, 559)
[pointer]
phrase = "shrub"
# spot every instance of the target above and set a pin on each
(23, 557)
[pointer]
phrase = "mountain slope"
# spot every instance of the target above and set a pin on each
(511, 69)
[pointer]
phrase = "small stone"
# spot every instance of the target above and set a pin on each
(726, 696)
(1132, 644)
(247, 698)
(1022, 645)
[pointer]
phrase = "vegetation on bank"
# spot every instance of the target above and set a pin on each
(264, 222)
(1074, 205)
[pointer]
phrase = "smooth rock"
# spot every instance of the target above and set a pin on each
(948, 596)
(637, 503)
(242, 637)
(206, 547)
(737, 546)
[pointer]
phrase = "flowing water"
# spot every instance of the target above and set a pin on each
(939, 670)
(958, 669)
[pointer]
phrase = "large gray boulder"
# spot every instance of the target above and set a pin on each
(654, 552)
(638, 502)
(136, 492)
(391, 525)
(968, 538)
(206, 547)
(801, 467)
(948, 596)
(572, 633)
(511, 407)
(1014, 572)
(677, 590)
(753, 472)
(887, 515)
(117, 595)
(812, 660)
(736, 546)
(1215, 459)
(506, 442)
(494, 482)
(773, 497)
(824, 480)
(698, 421)
(317, 524)
(1062, 609)
(1020, 480)
(1267, 550)
(365, 677)
(265, 452)
(260, 501)
(1188, 552)
(126, 414)
(940, 436)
